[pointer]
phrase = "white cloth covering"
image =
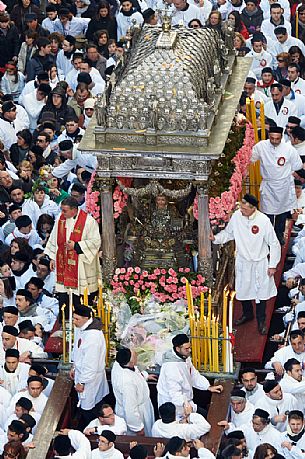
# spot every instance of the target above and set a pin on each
(196, 427)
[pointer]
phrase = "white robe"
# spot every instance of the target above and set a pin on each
(80, 443)
(259, 61)
(255, 240)
(39, 402)
(88, 261)
(254, 395)
(25, 345)
(88, 356)
(296, 451)
(281, 119)
(197, 427)
(277, 164)
(290, 385)
(238, 419)
(176, 381)
(282, 355)
(184, 17)
(276, 407)
(17, 381)
(111, 453)
(124, 22)
(132, 399)
(118, 428)
(298, 86)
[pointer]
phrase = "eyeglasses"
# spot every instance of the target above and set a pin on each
(280, 60)
(39, 140)
(89, 108)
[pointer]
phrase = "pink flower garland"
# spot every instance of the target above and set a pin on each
(164, 284)
(220, 208)
(120, 200)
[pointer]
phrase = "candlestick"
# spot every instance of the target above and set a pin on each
(216, 344)
(262, 120)
(64, 337)
(70, 323)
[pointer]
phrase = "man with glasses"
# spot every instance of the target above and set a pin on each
(106, 419)
(257, 255)
(106, 445)
(293, 121)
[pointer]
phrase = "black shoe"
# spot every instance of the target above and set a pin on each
(262, 327)
(243, 320)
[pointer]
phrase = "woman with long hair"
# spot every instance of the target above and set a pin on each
(6, 292)
(214, 20)
(297, 57)
(266, 451)
(240, 44)
(235, 20)
(13, 81)
(102, 21)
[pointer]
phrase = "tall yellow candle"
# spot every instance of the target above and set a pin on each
(248, 110)
(100, 299)
(253, 118)
(262, 120)
(216, 344)
(86, 303)
(64, 335)
(224, 307)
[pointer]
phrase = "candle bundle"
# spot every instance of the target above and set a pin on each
(210, 350)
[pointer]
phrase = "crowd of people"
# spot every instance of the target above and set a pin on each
(53, 65)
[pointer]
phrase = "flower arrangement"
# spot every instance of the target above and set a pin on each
(221, 207)
(166, 285)
(92, 199)
(120, 199)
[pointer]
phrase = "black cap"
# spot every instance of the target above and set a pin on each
(269, 385)
(84, 77)
(294, 120)
(12, 353)
(26, 325)
(180, 339)
(10, 330)
(83, 311)
(65, 145)
(267, 70)
(43, 76)
(25, 293)
(276, 130)
(123, 356)
(28, 420)
(110, 436)
(25, 403)
(251, 199)
(261, 413)
(11, 310)
(250, 80)
(238, 393)
(23, 221)
(13, 207)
